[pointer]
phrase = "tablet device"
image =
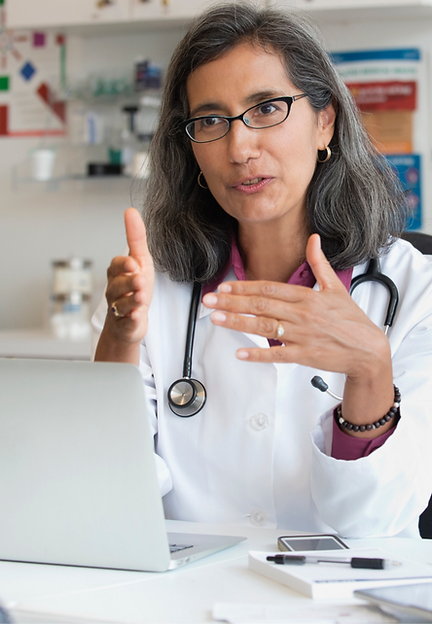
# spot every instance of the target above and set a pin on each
(414, 600)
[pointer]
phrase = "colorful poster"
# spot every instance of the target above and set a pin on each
(385, 85)
(31, 73)
(407, 167)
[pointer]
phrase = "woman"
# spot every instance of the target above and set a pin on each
(265, 190)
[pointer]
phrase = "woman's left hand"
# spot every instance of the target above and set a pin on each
(323, 329)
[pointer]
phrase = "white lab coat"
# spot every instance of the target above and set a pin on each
(260, 450)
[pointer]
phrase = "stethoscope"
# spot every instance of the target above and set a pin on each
(187, 396)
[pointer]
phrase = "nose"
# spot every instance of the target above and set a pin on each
(243, 142)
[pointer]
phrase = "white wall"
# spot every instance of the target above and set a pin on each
(85, 218)
(38, 225)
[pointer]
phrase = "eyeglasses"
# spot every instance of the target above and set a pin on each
(263, 115)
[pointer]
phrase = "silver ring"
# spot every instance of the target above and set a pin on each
(115, 311)
(279, 331)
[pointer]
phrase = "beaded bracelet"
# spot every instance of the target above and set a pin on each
(344, 424)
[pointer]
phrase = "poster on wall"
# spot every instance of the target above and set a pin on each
(32, 69)
(407, 167)
(385, 85)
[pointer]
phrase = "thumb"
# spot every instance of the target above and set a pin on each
(136, 236)
(324, 274)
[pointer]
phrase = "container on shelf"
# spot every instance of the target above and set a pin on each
(70, 298)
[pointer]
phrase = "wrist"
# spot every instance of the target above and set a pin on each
(111, 348)
(371, 429)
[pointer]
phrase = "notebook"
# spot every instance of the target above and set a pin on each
(329, 581)
(78, 483)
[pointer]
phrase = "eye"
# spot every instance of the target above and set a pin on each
(266, 109)
(209, 122)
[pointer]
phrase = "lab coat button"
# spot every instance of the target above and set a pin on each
(258, 517)
(259, 422)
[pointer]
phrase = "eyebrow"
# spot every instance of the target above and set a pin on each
(254, 98)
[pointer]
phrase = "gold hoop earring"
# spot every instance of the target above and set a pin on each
(328, 155)
(200, 182)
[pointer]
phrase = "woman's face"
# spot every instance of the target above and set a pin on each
(257, 176)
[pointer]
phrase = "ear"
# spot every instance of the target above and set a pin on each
(326, 124)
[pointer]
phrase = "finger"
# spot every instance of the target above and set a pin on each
(124, 285)
(284, 354)
(124, 306)
(260, 325)
(121, 265)
(136, 237)
(270, 290)
(259, 298)
(321, 268)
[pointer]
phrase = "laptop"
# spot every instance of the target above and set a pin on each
(78, 483)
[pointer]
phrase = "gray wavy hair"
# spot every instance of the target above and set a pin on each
(354, 200)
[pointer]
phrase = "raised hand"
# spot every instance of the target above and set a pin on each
(129, 293)
(323, 329)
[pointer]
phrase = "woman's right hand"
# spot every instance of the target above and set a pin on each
(128, 293)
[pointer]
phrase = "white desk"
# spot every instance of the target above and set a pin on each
(185, 595)
(39, 343)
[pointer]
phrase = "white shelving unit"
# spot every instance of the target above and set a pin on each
(121, 14)
(365, 10)
(46, 13)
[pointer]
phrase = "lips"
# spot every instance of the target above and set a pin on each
(253, 181)
(252, 185)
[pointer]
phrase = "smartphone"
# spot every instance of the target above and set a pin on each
(320, 541)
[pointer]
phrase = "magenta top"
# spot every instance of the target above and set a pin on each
(344, 446)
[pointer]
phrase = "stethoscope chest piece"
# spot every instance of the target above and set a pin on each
(186, 397)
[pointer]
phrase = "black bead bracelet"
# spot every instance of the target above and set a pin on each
(344, 424)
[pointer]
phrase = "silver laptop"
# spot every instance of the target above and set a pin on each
(78, 482)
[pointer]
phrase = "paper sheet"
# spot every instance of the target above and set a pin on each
(312, 612)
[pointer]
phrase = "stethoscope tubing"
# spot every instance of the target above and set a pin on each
(187, 396)
(373, 274)
(190, 335)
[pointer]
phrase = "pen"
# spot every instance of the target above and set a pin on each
(354, 562)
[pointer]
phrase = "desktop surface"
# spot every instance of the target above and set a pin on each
(187, 595)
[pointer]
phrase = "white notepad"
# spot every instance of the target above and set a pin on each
(330, 581)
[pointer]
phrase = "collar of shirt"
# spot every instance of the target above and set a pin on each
(303, 276)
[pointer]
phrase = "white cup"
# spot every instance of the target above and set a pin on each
(43, 164)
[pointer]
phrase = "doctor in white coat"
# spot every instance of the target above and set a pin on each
(265, 190)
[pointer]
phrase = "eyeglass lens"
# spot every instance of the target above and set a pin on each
(263, 115)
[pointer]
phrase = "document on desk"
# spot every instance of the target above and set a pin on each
(307, 612)
(334, 580)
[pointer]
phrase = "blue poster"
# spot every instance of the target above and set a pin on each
(407, 167)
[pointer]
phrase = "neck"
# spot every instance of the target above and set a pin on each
(271, 253)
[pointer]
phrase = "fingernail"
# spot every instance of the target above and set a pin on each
(225, 288)
(218, 316)
(242, 354)
(210, 300)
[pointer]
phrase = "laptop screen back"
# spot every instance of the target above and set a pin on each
(78, 482)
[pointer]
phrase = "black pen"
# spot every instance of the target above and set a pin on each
(354, 562)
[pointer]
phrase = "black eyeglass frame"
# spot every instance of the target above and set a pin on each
(288, 99)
